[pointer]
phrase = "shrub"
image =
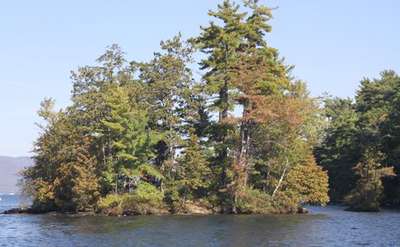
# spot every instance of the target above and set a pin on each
(254, 201)
(173, 198)
(286, 202)
(146, 199)
(307, 183)
(111, 204)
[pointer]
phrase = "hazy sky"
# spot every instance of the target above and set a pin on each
(333, 45)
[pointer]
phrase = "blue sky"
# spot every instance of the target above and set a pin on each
(333, 45)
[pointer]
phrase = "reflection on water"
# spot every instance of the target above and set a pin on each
(329, 226)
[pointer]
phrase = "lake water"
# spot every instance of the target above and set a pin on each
(330, 226)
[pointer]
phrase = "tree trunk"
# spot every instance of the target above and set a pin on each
(222, 136)
(223, 96)
(242, 156)
(281, 178)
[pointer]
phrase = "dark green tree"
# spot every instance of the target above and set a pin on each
(339, 152)
(368, 192)
(168, 82)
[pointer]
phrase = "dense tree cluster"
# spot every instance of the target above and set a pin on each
(361, 146)
(149, 137)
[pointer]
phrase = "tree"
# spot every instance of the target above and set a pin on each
(194, 177)
(63, 176)
(238, 35)
(130, 141)
(339, 150)
(39, 179)
(307, 183)
(111, 69)
(76, 187)
(261, 78)
(282, 143)
(168, 81)
(366, 196)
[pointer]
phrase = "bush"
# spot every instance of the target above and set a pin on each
(286, 202)
(148, 192)
(111, 204)
(365, 197)
(146, 199)
(173, 198)
(43, 196)
(254, 201)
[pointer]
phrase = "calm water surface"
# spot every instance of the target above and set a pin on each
(330, 226)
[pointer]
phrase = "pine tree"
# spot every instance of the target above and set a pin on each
(168, 80)
(225, 44)
(130, 141)
(194, 176)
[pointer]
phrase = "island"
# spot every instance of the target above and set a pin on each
(213, 124)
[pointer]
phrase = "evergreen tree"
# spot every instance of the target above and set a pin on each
(366, 196)
(130, 141)
(225, 44)
(194, 176)
(168, 81)
(76, 187)
(339, 151)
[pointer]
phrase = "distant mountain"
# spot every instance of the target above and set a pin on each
(9, 168)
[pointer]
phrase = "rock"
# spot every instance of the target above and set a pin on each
(17, 211)
(301, 210)
(193, 208)
(27, 210)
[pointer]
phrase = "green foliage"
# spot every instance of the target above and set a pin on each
(194, 177)
(129, 142)
(111, 204)
(146, 199)
(169, 84)
(308, 183)
(253, 201)
(367, 194)
(146, 170)
(148, 192)
(339, 150)
(76, 188)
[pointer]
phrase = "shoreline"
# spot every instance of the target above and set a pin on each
(30, 211)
